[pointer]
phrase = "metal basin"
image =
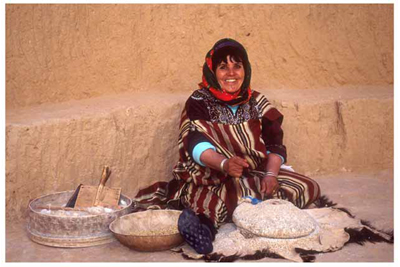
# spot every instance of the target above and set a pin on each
(151, 230)
(83, 230)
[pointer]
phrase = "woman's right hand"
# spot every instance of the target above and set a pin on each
(235, 165)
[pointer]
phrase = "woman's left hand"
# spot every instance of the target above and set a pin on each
(269, 185)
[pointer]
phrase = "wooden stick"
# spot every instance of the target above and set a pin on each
(104, 177)
(238, 188)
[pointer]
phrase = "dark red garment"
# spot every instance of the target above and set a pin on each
(202, 105)
(250, 132)
(211, 192)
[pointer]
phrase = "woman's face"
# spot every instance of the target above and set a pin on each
(230, 75)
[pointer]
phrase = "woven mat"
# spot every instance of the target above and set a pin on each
(334, 227)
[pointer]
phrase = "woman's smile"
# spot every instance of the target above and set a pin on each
(230, 75)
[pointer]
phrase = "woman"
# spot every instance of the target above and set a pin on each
(230, 146)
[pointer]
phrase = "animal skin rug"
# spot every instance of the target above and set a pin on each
(294, 236)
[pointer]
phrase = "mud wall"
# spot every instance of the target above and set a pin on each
(89, 85)
(56, 53)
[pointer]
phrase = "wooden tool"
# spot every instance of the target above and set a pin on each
(100, 195)
(238, 188)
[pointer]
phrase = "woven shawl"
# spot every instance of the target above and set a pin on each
(243, 140)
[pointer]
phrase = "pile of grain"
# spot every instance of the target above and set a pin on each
(75, 212)
(156, 232)
(273, 218)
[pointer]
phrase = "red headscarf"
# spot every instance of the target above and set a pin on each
(210, 82)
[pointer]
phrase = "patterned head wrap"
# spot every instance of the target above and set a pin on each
(210, 81)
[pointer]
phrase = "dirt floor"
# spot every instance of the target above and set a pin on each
(367, 196)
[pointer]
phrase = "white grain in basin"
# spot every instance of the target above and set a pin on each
(273, 218)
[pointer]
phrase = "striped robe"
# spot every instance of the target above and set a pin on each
(212, 192)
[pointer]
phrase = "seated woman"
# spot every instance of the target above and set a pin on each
(230, 145)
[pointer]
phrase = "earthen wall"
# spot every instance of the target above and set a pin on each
(56, 53)
(95, 85)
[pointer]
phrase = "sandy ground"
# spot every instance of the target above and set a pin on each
(368, 196)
